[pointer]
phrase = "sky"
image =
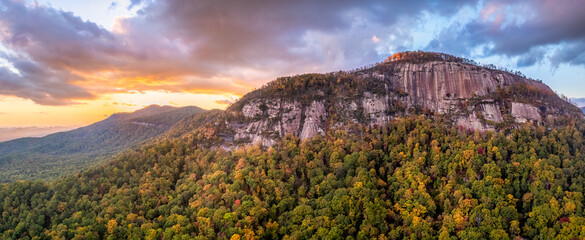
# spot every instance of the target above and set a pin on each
(70, 62)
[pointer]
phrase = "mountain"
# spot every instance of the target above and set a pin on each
(583, 109)
(384, 152)
(66, 152)
(471, 96)
(7, 134)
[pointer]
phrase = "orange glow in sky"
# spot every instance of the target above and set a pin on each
(18, 112)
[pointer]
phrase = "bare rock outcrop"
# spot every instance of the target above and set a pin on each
(472, 122)
(524, 112)
(492, 112)
(315, 116)
(252, 109)
(435, 85)
(375, 108)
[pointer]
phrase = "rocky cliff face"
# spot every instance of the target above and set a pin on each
(472, 97)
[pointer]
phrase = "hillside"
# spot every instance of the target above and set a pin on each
(63, 153)
(413, 178)
(422, 146)
(470, 96)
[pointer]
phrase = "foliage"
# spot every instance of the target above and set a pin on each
(414, 178)
(306, 88)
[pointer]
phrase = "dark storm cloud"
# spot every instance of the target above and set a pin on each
(523, 29)
(196, 46)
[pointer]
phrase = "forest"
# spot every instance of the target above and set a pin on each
(415, 178)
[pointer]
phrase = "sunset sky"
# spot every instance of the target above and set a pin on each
(71, 62)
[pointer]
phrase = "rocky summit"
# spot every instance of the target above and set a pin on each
(470, 95)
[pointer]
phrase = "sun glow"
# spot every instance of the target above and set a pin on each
(18, 112)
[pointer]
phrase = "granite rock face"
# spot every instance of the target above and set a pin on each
(315, 116)
(434, 85)
(463, 92)
(524, 112)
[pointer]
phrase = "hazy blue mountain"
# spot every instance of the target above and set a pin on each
(11, 133)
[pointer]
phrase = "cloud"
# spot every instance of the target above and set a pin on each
(40, 84)
(197, 46)
(528, 30)
(113, 6)
(533, 56)
(224, 102)
(571, 53)
(134, 3)
(122, 104)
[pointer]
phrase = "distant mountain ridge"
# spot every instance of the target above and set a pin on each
(579, 102)
(70, 151)
(11, 133)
